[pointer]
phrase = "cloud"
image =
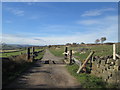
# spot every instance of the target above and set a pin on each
(109, 32)
(16, 39)
(108, 20)
(16, 11)
(30, 3)
(97, 12)
(88, 22)
(60, 34)
(40, 40)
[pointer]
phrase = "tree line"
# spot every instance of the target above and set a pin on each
(102, 39)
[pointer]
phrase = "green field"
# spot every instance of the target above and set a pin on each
(57, 52)
(86, 80)
(16, 53)
(100, 50)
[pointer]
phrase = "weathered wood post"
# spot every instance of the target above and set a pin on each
(84, 68)
(70, 57)
(91, 59)
(28, 53)
(114, 51)
(33, 50)
(66, 48)
(85, 62)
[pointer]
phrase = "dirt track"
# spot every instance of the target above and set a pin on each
(53, 74)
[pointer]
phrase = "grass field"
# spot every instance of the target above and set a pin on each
(100, 50)
(8, 54)
(57, 52)
(86, 80)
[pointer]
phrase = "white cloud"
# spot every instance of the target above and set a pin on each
(88, 22)
(11, 38)
(105, 27)
(108, 20)
(15, 11)
(110, 33)
(96, 12)
(30, 3)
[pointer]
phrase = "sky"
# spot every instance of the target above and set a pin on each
(48, 23)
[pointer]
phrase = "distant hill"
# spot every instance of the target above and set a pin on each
(13, 46)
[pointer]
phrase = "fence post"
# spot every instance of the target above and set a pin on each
(33, 50)
(28, 53)
(70, 57)
(91, 60)
(85, 62)
(114, 51)
(66, 52)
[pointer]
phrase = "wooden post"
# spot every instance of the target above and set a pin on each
(33, 50)
(91, 63)
(28, 53)
(70, 57)
(66, 52)
(114, 51)
(87, 59)
(84, 68)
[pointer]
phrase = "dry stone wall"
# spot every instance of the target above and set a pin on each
(106, 68)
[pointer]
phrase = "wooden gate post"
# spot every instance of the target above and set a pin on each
(85, 62)
(28, 53)
(70, 57)
(114, 51)
(91, 60)
(66, 52)
(33, 50)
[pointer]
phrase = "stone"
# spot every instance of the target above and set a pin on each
(105, 58)
(95, 62)
(98, 65)
(98, 61)
(109, 61)
(113, 63)
(116, 67)
(102, 67)
(101, 57)
(117, 62)
(118, 77)
(105, 74)
(114, 77)
(103, 62)
(111, 67)
(108, 67)
(105, 80)
(109, 80)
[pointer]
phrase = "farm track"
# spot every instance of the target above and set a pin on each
(50, 72)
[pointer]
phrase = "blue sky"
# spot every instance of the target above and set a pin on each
(59, 23)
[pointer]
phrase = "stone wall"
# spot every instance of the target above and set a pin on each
(107, 68)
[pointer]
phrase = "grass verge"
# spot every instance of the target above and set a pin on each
(8, 74)
(86, 80)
